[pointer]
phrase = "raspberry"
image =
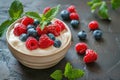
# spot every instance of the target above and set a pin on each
(71, 9)
(19, 29)
(40, 32)
(90, 56)
(54, 29)
(74, 16)
(45, 41)
(46, 10)
(31, 43)
(81, 48)
(61, 24)
(27, 20)
(93, 25)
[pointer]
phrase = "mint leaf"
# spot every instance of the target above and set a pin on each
(34, 15)
(51, 13)
(103, 11)
(92, 2)
(72, 73)
(95, 6)
(57, 75)
(4, 25)
(43, 24)
(115, 4)
(16, 9)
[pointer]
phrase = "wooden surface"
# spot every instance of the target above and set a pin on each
(107, 67)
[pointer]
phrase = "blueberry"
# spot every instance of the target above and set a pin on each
(36, 22)
(51, 36)
(30, 26)
(97, 34)
(23, 37)
(65, 15)
(32, 32)
(74, 23)
(57, 43)
(82, 35)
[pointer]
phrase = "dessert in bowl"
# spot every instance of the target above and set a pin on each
(45, 54)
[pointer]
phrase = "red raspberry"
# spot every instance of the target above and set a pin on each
(40, 32)
(74, 16)
(46, 10)
(54, 29)
(61, 24)
(27, 20)
(45, 41)
(31, 43)
(19, 29)
(93, 25)
(90, 56)
(71, 9)
(81, 48)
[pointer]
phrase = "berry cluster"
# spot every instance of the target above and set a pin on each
(90, 55)
(93, 26)
(29, 31)
(71, 14)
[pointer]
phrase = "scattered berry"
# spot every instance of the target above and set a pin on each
(45, 41)
(23, 37)
(74, 16)
(65, 15)
(36, 22)
(71, 9)
(82, 35)
(81, 48)
(61, 24)
(19, 29)
(32, 32)
(31, 43)
(27, 20)
(57, 43)
(51, 36)
(46, 10)
(90, 56)
(93, 25)
(97, 34)
(74, 23)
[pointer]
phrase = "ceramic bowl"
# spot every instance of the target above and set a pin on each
(38, 61)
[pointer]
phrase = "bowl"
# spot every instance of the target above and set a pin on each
(38, 61)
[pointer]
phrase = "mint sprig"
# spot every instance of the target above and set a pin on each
(15, 12)
(101, 7)
(70, 73)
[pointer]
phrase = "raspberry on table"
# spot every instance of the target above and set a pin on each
(45, 41)
(19, 29)
(91, 56)
(93, 25)
(81, 47)
(71, 9)
(31, 43)
(27, 20)
(46, 10)
(74, 16)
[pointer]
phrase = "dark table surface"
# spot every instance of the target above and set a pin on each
(107, 67)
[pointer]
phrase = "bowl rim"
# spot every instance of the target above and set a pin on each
(62, 48)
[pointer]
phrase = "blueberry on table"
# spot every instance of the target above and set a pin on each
(57, 43)
(74, 23)
(23, 37)
(97, 34)
(65, 15)
(82, 35)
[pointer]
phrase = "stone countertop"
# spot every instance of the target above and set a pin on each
(107, 67)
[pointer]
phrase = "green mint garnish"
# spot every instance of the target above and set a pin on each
(115, 4)
(70, 73)
(15, 12)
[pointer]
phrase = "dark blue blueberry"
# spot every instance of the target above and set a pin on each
(65, 15)
(97, 34)
(57, 43)
(32, 32)
(30, 26)
(36, 22)
(82, 35)
(74, 23)
(51, 36)
(23, 37)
